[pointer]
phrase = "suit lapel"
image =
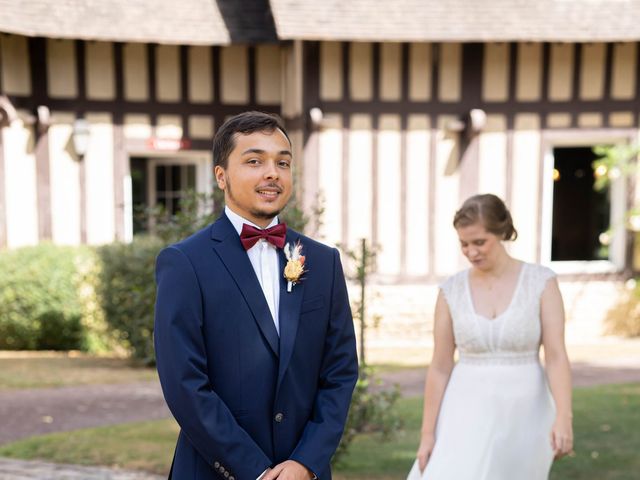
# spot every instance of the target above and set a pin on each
(228, 247)
(289, 311)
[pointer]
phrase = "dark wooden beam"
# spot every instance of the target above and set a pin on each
(82, 167)
(183, 65)
(251, 72)
(575, 83)
(38, 64)
(151, 84)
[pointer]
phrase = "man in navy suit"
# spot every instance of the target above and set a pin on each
(257, 368)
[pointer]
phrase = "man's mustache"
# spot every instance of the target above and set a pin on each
(271, 186)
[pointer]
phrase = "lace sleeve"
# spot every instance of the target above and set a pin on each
(543, 275)
(453, 290)
(448, 291)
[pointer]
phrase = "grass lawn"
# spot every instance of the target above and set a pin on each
(607, 430)
(53, 369)
(139, 446)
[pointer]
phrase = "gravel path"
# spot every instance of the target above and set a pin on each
(24, 413)
(11, 469)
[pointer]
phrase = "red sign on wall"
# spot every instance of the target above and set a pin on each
(168, 144)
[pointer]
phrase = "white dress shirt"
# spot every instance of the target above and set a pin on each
(264, 260)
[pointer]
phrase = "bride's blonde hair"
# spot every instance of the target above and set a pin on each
(488, 210)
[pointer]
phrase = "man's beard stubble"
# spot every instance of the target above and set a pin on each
(256, 213)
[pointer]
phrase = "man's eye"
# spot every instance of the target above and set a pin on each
(253, 161)
(284, 164)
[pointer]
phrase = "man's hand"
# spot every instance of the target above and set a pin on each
(289, 470)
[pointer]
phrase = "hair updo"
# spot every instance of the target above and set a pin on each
(490, 212)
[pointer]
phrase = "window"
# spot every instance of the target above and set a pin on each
(171, 182)
(575, 216)
(163, 181)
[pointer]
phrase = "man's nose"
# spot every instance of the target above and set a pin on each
(271, 170)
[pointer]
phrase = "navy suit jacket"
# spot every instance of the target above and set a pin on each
(244, 397)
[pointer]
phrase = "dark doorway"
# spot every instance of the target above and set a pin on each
(580, 214)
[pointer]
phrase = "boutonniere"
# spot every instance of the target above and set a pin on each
(294, 269)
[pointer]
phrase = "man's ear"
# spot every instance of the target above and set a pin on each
(218, 172)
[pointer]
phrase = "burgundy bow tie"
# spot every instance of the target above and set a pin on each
(274, 235)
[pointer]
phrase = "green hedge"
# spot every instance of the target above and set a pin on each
(79, 298)
(98, 298)
(40, 298)
(127, 292)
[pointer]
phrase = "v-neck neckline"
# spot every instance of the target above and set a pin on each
(515, 293)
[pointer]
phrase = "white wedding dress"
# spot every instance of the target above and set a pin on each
(497, 412)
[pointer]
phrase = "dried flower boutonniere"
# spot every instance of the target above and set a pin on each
(294, 269)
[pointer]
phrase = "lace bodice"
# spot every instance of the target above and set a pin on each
(514, 335)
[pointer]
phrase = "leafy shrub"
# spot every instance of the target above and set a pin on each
(58, 331)
(127, 292)
(197, 210)
(40, 307)
(55, 297)
(624, 317)
(372, 410)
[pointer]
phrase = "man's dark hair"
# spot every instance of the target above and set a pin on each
(244, 123)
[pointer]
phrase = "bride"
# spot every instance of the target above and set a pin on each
(495, 414)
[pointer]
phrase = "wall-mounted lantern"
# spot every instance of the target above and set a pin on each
(8, 113)
(469, 124)
(81, 136)
(316, 115)
(467, 127)
(43, 118)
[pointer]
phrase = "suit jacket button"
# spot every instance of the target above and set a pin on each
(216, 465)
(279, 417)
(232, 477)
(226, 474)
(221, 469)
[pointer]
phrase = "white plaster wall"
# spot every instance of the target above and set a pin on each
(493, 157)
(360, 179)
(20, 185)
(389, 187)
(330, 178)
(525, 187)
(99, 181)
(447, 184)
(65, 181)
(417, 187)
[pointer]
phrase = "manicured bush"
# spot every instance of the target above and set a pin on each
(40, 305)
(127, 292)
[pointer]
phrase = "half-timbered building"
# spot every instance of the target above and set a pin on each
(399, 111)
